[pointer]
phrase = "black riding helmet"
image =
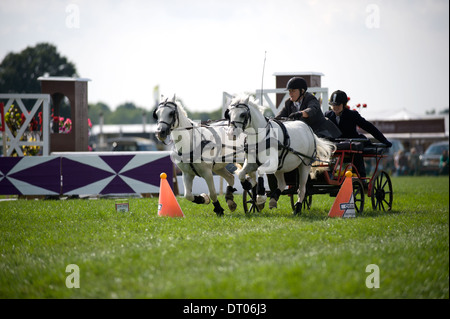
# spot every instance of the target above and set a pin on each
(338, 97)
(297, 83)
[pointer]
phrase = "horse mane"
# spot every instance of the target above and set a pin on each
(242, 98)
(180, 108)
(181, 111)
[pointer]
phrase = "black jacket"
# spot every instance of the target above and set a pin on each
(349, 120)
(316, 120)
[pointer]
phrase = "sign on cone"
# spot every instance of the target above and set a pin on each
(168, 205)
(344, 204)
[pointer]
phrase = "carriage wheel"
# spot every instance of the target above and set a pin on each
(358, 195)
(249, 201)
(306, 204)
(382, 194)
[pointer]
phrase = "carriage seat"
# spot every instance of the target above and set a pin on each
(349, 145)
(375, 149)
(366, 147)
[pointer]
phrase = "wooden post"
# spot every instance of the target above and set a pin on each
(75, 89)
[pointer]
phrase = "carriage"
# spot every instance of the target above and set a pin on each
(297, 155)
(378, 186)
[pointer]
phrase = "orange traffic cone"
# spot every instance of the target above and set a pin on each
(168, 205)
(344, 204)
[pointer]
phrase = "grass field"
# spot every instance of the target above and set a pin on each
(266, 255)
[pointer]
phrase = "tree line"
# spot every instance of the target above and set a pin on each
(129, 113)
(19, 73)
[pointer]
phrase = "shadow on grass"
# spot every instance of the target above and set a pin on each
(284, 210)
(313, 214)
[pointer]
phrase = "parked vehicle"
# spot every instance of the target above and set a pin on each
(387, 162)
(131, 144)
(429, 161)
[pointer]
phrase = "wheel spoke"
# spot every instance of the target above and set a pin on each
(386, 182)
(358, 196)
(382, 193)
(377, 181)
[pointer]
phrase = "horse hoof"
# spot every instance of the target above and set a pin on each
(246, 185)
(218, 209)
(206, 197)
(231, 205)
(219, 212)
(261, 199)
(298, 209)
(273, 203)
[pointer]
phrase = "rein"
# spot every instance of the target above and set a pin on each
(285, 146)
(189, 156)
(174, 119)
(247, 118)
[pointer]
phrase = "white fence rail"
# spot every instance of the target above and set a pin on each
(14, 142)
(264, 97)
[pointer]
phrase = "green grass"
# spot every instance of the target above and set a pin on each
(266, 255)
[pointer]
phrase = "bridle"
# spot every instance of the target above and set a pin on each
(174, 113)
(247, 116)
(283, 146)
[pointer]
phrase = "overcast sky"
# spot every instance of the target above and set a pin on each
(390, 54)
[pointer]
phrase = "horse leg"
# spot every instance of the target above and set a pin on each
(252, 177)
(261, 196)
(248, 168)
(303, 172)
(208, 176)
(230, 189)
(187, 181)
(275, 195)
(198, 199)
(270, 166)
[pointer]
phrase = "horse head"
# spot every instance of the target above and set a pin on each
(167, 118)
(238, 116)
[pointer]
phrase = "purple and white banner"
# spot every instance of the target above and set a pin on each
(85, 173)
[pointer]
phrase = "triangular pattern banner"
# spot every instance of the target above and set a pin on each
(84, 173)
(26, 175)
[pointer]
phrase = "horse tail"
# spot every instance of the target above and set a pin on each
(325, 150)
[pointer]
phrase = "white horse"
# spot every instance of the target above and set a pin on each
(275, 147)
(198, 151)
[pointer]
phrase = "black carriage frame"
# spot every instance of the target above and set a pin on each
(378, 186)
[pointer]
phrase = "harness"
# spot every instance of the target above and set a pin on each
(204, 143)
(284, 147)
(175, 112)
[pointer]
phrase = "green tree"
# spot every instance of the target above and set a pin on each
(19, 71)
(205, 116)
(94, 111)
(126, 113)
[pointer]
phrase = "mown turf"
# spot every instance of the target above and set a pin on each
(271, 254)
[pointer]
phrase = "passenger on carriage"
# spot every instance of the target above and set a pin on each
(347, 121)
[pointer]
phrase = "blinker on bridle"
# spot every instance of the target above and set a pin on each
(167, 104)
(247, 116)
